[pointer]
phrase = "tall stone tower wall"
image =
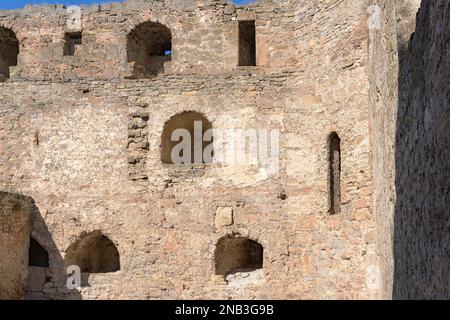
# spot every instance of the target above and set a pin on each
(409, 104)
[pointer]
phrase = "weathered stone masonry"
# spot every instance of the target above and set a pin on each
(83, 118)
(410, 105)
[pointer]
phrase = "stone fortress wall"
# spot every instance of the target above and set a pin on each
(84, 115)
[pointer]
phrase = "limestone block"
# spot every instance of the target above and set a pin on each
(224, 216)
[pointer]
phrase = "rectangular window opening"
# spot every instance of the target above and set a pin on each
(335, 173)
(247, 43)
(72, 40)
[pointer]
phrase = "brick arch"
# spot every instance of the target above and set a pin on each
(93, 252)
(149, 47)
(236, 253)
(183, 120)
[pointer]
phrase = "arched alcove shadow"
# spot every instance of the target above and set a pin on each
(237, 254)
(185, 123)
(149, 48)
(93, 253)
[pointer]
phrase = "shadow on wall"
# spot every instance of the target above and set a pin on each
(46, 281)
(422, 228)
(9, 50)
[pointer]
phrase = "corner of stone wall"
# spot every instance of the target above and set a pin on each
(387, 43)
(405, 12)
(383, 72)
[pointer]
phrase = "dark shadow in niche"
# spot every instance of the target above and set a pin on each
(47, 277)
(9, 50)
(149, 48)
(37, 255)
(334, 150)
(94, 253)
(71, 42)
(235, 254)
(187, 121)
(422, 165)
(247, 43)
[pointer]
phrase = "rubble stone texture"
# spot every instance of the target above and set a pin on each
(14, 237)
(85, 112)
(423, 160)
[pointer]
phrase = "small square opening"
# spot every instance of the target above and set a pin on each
(72, 40)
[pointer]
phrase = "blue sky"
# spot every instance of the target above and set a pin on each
(14, 4)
